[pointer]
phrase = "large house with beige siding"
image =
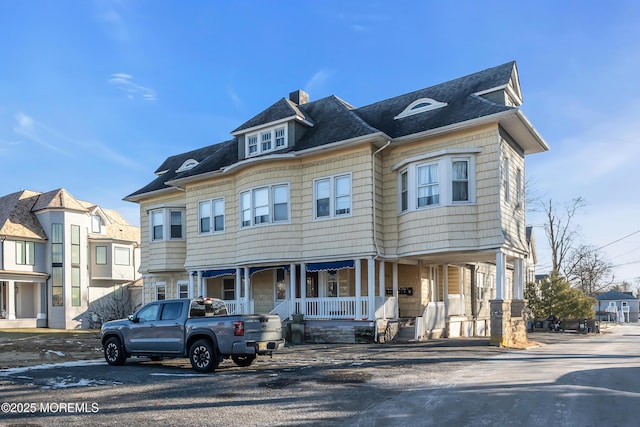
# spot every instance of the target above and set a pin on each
(354, 218)
(60, 258)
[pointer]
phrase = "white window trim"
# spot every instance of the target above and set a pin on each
(187, 165)
(258, 134)
(332, 197)
(121, 249)
(251, 207)
(411, 108)
(180, 284)
(166, 223)
(445, 177)
(212, 229)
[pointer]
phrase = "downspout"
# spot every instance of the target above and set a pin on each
(373, 177)
(375, 232)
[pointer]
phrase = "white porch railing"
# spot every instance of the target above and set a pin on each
(283, 310)
(239, 306)
(332, 307)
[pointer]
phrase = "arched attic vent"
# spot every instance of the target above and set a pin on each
(420, 106)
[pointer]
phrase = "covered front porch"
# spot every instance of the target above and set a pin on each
(23, 302)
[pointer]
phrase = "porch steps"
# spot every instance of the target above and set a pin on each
(406, 330)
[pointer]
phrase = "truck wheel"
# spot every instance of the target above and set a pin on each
(202, 356)
(113, 352)
(243, 359)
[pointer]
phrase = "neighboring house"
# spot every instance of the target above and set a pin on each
(531, 258)
(58, 255)
(411, 207)
(617, 307)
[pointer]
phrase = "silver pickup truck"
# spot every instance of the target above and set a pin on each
(199, 329)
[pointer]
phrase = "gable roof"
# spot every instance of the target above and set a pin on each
(18, 217)
(614, 296)
(281, 110)
(331, 120)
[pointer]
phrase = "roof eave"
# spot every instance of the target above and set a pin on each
(139, 197)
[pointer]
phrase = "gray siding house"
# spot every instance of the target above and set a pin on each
(61, 258)
(355, 218)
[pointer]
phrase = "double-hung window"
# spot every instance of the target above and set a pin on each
(167, 224)
(211, 214)
(439, 180)
(332, 196)
(459, 180)
(157, 219)
(25, 253)
(264, 205)
(428, 185)
(266, 140)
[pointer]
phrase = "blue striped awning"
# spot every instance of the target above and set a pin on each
(218, 273)
(326, 266)
(253, 270)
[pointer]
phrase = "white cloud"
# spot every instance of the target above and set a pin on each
(54, 140)
(125, 83)
(235, 98)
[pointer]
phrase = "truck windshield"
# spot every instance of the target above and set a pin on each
(207, 307)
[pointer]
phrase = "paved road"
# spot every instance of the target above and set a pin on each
(593, 381)
(574, 381)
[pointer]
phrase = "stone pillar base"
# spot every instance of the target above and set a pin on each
(508, 328)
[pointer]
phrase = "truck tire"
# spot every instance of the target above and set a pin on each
(113, 352)
(202, 356)
(243, 359)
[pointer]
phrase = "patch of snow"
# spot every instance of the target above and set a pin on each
(57, 353)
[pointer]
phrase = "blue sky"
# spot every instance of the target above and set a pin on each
(94, 95)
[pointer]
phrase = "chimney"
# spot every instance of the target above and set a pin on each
(299, 97)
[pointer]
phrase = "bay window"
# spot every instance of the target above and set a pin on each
(167, 224)
(441, 180)
(264, 205)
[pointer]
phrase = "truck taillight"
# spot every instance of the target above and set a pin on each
(238, 329)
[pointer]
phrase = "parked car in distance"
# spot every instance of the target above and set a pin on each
(199, 329)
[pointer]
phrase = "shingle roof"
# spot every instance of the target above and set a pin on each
(333, 120)
(18, 214)
(462, 105)
(282, 109)
(614, 295)
(17, 218)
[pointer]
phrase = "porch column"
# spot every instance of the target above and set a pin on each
(247, 278)
(292, 288)
(238, 285)
(201, 290)
(11, 299)
(41, 321)
(303, 288)
(371, 288)
(445, 288)
(501, 275)
(396, 313)
(381, 281)
(518, 279)
(358, 274)
(190, 284)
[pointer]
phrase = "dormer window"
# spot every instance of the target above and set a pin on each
(266, 140)
(96, 224)
(187, 165)
(420, 106)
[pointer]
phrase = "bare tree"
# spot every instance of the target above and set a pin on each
(112, 306)
(587, 270)
(561, 231)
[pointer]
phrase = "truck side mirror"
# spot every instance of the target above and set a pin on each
(133, 319)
